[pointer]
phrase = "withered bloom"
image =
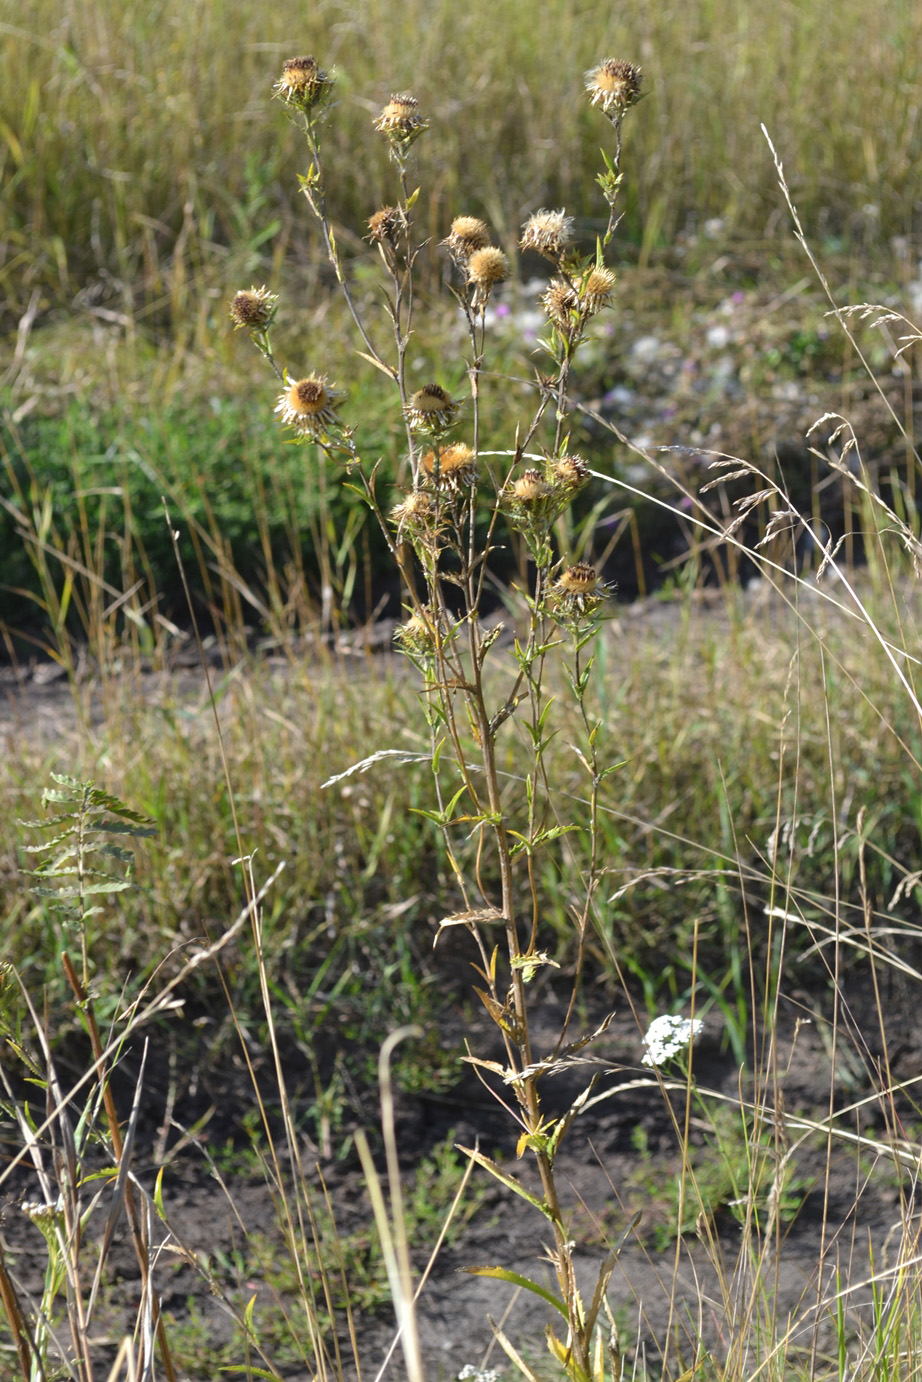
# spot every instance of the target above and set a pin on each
(577, 593)
(467, 235)
(401, 121)
(308, 406)
(431, 409)
(548, 232)
(614, 85)
(485, 268)
(303, 83)
(387, 225)
(596, 289)
(452, 468)
(254, 309)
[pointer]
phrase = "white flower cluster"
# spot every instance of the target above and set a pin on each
(471, 1373)
(666, 1036)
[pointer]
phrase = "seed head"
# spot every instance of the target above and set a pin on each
(253, 308)
(416, 512)
(419, 637)
(577, 592)
(431, 409)
(614, 85)
(401, 121)
(485, 268)
(386, 225)
(308, 405)
(303, 84)
(569, 473)
(596, 290)
(560, 301)
(530, 488)
(548, 232)
(468, 234)
(452, 468)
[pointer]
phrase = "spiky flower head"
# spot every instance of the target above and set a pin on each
(417, 512)
(419, 637)
(485, 269)
(568, 473)
(303, 83)
(577, 593)
(537, 498)
(549, 233)
(401, 121)
(387, 225)
(451, 468)
(614, 85)
(254, 309)
(468, 234)
(308, 406)
(431, 409)
(530, 488)
(561, 302)
(596, 289)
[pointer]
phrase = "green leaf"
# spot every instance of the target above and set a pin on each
(506, 1179)
(158, 1194)
(514, 1279)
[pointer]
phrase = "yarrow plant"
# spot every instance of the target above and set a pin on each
(668, 1037)
(445, 517)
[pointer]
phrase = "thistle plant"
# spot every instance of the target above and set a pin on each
(442, 528)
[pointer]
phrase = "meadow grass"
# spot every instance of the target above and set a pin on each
(151, 217)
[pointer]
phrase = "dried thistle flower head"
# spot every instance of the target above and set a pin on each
(303, 83)
(387, 225)
(401, 121)
(596, 289)
(431, 409)
(308, 406)
(451, 468)
(253, 308)
(419, 637)
(578, 592)
(468, 234)
(416, 512)
(549, 233)
(486, 268)
(530, 487)
(614, 85)
(560, 301)
(569, 473)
